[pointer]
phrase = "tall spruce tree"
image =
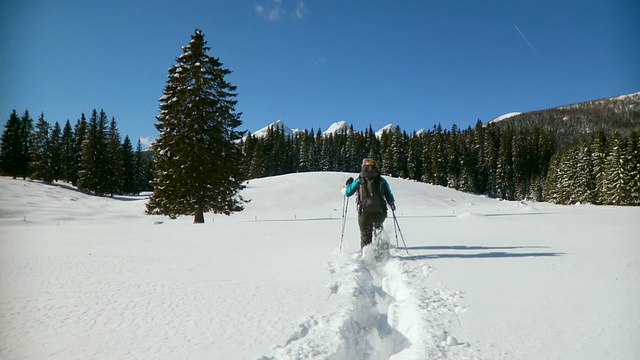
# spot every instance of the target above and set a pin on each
(25, 138)
(197, 161)
(11, 150)
(128, 162)
(79, 137)
(40, 151)
(633, 170)
(113, 162)
(141, 170)
(67, 152)
(55, 152)
(94, 174)
(615, 187)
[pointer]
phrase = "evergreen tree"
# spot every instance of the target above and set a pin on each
(79, 138)
(615, 189)
(67, 149)
(257, 169)
(633, 169)
(552, 182)
(399, 146)
(439, 157)
(12, 148)
(584, 184)
(25, 137)
(387, 166)
(469, 164)
(142, 171)
(94, 174)
(40, 151)
(128, 170)
(569, 175)
(373, 145)
(317, 161)
(355, 150)
(325, 152)
(197, 160)
(427, 158)
(304, 157)
(490, 160)
(56, 153)
(504, 171)
(600, 151)
(114, 160)
(414, 157)
(521, 166)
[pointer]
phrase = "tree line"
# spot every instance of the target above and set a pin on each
(508, 162)
(90, 155)
(511, 163)
(599, 170)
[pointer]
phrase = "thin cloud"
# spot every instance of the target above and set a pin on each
(146, 141)
(528, 43)
(317, 61)
(301, 10)
(277, 10)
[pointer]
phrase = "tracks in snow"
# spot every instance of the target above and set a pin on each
(385, 309)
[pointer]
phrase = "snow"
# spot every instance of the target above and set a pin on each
(632, 96)
(384, 129)
(278, 124)
(504, 117)
(88, 277)
(335, 128)
(340, 127)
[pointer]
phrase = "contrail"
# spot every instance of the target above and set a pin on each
(528, 43)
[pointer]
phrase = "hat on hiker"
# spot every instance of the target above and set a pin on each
(369, 162)
(369, 168)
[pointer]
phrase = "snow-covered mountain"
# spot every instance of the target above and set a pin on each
(278, 124)
(504, 117)
(605, 107)
(340, 127)
(386, 128)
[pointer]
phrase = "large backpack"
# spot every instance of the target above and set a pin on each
(370, 196)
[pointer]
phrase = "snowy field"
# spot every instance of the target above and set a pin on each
(94, 278)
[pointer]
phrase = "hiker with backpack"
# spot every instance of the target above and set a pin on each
(373, 196)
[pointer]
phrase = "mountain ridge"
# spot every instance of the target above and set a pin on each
(624, 108)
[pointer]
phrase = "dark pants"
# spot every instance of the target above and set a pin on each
(368, 222)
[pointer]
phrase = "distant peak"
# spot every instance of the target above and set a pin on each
(505, 116)
(386, 128)
(339, 127)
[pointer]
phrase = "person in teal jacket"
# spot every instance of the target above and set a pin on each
(373, 196)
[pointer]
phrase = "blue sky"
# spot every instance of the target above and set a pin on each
(314, 62)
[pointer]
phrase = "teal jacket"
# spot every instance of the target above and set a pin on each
(386, 190)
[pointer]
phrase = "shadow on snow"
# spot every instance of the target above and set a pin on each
(479, 255)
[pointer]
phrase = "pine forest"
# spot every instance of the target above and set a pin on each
(508, 162)
(90, 155)
(501, 162)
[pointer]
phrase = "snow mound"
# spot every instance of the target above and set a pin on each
(470, 215)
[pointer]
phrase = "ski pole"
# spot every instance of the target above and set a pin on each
(395, 219)
(345, 206)
(395, 230)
